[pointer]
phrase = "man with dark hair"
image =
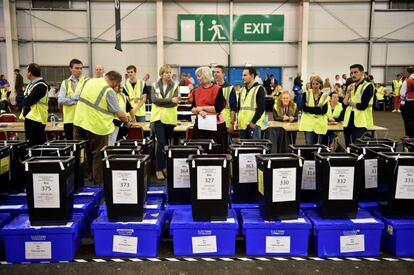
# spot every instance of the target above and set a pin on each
(407, 102)
(35, 105)
(251, 106)
(359, 99)
(94, 113)
(229, 94)
(69, 95)
(18, 87)
(137, 91)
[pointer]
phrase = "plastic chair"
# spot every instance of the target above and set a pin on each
(8, 118)
(135, 133)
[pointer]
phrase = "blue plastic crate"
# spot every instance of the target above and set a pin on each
(86, 207)
(94, 194)
(192, 238)
(348, 237)
(14, 209)
(139, 239)
(19, 198)
(98, 191)
(398, 237)
(369, 206)
(151, 204)
(240, 206)
(5, 218)
(308, 205)
(275, 238)
(157, 192)
(26, 243)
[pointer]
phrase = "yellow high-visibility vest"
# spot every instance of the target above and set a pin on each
(314, 123)
(167, 115)
(69, 110)
(248, 106)
(362, 118)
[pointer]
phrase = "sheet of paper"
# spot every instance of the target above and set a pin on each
(204, 244)
(352, 243)
(38, 250)
(46, 191)
(125, 244)
(181, 173)
(405, 183)
(308, 175)
(277, 244)
(124, 187)
(247, 168)
(208, 123)
(284, 184)
(209, 182)
(371, 173)
(341, 183)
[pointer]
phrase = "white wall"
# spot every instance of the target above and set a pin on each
(324, 59)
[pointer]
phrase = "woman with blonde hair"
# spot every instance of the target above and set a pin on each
(314, 120)
(164, 96)
(286, 110)
(208, 102)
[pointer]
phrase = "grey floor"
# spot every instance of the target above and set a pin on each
(392, 121)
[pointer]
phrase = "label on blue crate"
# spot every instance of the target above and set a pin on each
(85, 194)
(277, 244)
(390, 230)
(371, 173)
(204, 244)
(247, 168)
(365, 220)
(152, 192)
(299, 220)
(124, 187)
(352, 243)
(37, 250)
(308, 175)
(209, 183)
(341, 183)
(284, 184)
(46, 192)
(181, 174)
(151, 206)
(125, 244)
(229, 220)
(405, 183)
(68, 224)
(78, 206)
(15, 206)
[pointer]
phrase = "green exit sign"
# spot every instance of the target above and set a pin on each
(213, 28)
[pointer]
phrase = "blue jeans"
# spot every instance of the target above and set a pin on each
(251, 133)
(312, 138)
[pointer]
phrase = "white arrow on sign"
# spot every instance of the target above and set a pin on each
(201, 30)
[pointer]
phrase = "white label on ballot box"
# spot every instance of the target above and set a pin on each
(371, 173)
(247, 168)
(124, 187)
(209, 182)
(125, 244)
(204, 244)
(405, 183)
(277, 244)
(352, 243)
(284, 184)
(308, 175)
(46, 193)
(341, 183)
(181, 173)
(38, 250)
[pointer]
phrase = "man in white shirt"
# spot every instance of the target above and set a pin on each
(258, 79)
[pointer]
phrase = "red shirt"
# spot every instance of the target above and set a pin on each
(206, 96)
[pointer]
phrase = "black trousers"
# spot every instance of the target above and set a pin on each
(163, 132)
(68, 128)
(351, 132)
(407, 113)
(35, 132)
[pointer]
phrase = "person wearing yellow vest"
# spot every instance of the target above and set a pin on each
(68, 95)
(120, 130)
(314, 119)
(229, 94)
(396, 86)
(136, 90)
(94, 114)
(165, 99)
(35, 106)
(335, 115)
(251, 106)
(358, 99)
(4, 97)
